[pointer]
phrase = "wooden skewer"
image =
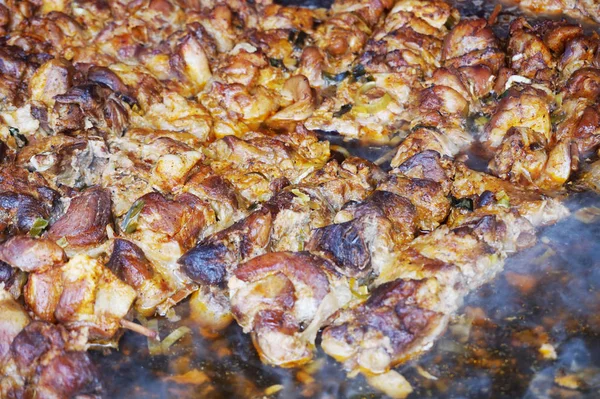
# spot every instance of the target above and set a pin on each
(140, 329)
(494, 15)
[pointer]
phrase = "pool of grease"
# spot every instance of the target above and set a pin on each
(533, 332)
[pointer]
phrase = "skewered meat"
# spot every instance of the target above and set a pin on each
(81, 293)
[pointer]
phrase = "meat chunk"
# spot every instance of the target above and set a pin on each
(32, 255)
(366, 234)
(48, 362)
(275, 295)
(394, 325)
(129, 263)
(211, 261)
(14, 319)
(85, 221)
(82, 293)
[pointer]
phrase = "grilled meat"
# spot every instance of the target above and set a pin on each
(160, 149)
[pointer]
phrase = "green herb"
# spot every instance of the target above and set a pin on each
(503, 199)
(19, 138)
(331, 78)
(504, 94)
(37, 227)
(62, 242)
(345, 109)
(130, 222)
(465, 203)
(276, 63)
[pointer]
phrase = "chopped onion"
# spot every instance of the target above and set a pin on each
(391, 383)
(37, 227)
(300, 195)
(360, 291)
(154, 346)
(516, 79)
(62, 242)
(273, 389)
(374, 106)
(425, 374)
(503, 199)
(588, 215)
(175, 336)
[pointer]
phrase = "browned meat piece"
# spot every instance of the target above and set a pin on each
(85, 221)
(210, 309)
(13, 279)
(392, 326)
(53, 78)
(528, 108)
(76, 162)
(24, 198)
(42, 293)
(584, 9)
(45, 361)
(251, 164)
(353, 180)
(428, 196)
(472, 50)
(81, 293)
(539, 209)
(211, 261)
(219, 193)
(366, 234)
(13, 320)
(522, 156)
(32, 255)
(90, 102)
(283, 298)
(529, 55)
(181, 219)
(129, 263)
(415, 296)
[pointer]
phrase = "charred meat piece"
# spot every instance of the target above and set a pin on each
(366, 234)
(485, 189)
(48, 362)
(129, 263)
(24, 198)
(414, 297)
(394, 325)
(211, 261)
